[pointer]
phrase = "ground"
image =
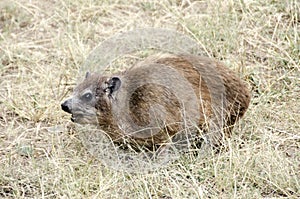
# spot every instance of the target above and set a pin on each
(43, 45)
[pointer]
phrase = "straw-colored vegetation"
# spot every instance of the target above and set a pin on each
(42, 46)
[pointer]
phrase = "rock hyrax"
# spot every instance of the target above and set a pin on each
(160, 97)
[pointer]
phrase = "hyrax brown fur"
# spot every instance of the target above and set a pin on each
(160, 97)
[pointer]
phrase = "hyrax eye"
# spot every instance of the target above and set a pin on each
(87, 97)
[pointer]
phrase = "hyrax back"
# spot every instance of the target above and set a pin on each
(160, 97)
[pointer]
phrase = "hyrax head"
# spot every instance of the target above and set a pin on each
(91, 99)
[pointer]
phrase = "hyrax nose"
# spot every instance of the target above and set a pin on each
(66, 106)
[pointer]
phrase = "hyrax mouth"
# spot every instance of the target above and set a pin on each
(72, 118)
(84, 118)
(76, 118)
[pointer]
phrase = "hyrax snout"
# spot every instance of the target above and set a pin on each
(160, 97)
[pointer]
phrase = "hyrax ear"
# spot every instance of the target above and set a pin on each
(114, 84)
(87, 74)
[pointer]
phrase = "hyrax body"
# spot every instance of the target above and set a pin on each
(160, 97)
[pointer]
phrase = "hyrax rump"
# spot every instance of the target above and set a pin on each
(161, 97)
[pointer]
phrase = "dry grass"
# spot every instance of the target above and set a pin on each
(42, 45)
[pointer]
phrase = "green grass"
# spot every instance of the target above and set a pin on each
(42, 46)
